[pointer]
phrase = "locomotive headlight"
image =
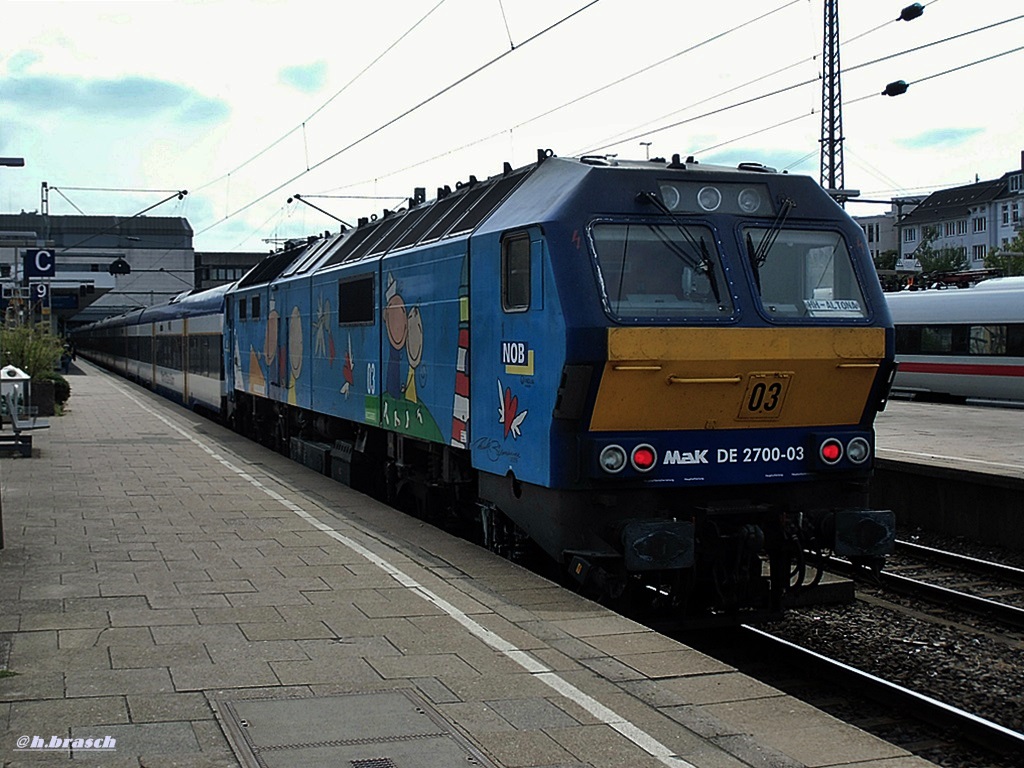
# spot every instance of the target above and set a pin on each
(670, 196)
(749, 200)
(688, 195)
(709, 198)
(858, 450)
(644, 458)
(612, 459)
(831, 451)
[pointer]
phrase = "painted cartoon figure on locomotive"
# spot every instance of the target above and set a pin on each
(664, 374)
(961, 343)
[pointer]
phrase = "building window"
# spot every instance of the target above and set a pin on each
(949, 229)
(980, 224)
(1015, 182)
(978, 252)
(1006, 213)
(961, 227)
(910, 235)
(1015, 215)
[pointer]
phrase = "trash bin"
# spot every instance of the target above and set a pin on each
(14, 384)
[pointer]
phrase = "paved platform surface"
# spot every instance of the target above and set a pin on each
(189, 595)
(968, 438)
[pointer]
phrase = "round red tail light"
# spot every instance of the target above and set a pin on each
(831, 451)
(644, 458)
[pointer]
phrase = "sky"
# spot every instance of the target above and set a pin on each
(351, 105)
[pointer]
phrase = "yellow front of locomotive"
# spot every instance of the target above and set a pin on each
(748, 350)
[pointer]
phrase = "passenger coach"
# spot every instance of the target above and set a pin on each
(960, 343)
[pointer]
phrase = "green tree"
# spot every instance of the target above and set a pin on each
(886, 260)
(936, 260)
(1010, 258)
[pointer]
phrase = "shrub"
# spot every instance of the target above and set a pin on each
(31, 348)
(61, 387)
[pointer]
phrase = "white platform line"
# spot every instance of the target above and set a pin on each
(526, 660)
(879, 451)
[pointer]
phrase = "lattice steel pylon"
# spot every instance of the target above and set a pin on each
(831, 102)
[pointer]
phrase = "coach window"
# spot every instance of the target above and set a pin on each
(515, 273)
(937, 339)
(241, 308)
(988, 340)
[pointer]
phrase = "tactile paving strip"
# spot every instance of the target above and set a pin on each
(383, 729)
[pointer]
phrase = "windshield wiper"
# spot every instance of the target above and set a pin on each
(701, 251)
(761, 255)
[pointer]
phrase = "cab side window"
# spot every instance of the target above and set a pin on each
(515, 273)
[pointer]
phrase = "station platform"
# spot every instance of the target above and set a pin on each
(953, 470)
(179, 596)
(988, 440)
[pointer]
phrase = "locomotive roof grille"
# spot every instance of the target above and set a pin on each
(268, 269)
(401, 227)
(435, 212)
(354, 239)
(455, 214)
(386, 225)
(492, 197)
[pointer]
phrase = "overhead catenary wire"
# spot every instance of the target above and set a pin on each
(623, 140)
(302, 125)
(866, 97)
(451, 86)
(611, 141)
(806, 82)
(582, 97)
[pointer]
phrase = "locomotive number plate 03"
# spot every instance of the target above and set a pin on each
(765, 395)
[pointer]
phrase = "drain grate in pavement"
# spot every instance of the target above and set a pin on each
(382, 729)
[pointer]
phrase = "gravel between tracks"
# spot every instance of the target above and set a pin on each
(970, 670)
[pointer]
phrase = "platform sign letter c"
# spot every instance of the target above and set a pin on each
(39, 263)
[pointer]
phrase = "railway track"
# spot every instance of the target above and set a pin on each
(982, 607)
(1007, 573)
(960, 723)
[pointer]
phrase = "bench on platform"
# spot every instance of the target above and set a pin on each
(22, 425)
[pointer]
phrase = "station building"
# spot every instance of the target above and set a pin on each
(102, 265)
(975, 219)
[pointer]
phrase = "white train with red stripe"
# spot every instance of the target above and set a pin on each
(960, 343)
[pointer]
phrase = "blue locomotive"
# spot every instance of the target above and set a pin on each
(662, 374)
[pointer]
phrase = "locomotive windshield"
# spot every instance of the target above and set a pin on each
(661, 271)
(804, 274)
